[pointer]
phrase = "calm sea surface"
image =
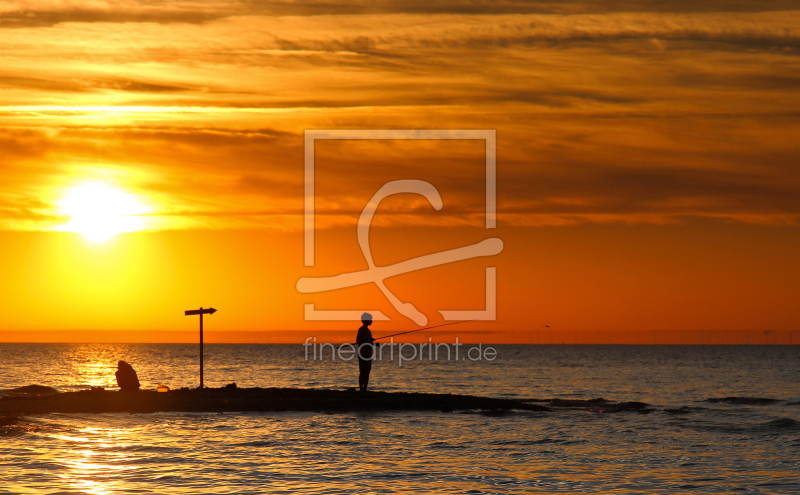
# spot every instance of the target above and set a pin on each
(689, 444)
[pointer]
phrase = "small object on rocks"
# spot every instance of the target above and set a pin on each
(126, 377)
(230, 385)
(162, 388)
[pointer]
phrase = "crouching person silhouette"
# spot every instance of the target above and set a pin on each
(366, 351)
(126, 377)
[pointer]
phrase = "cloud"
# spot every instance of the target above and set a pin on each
(42, 13)
(87, 85)
(618, 60)
(652, 194)
(632, 112)
(253, 178)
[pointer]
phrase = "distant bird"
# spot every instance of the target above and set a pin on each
(547, 326)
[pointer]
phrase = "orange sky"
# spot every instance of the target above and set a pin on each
(647, 165)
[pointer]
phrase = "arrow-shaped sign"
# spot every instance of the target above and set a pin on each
(201, 311)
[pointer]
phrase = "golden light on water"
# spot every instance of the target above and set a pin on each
(99, 211)
(94, 466)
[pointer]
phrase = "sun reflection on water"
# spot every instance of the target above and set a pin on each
(93, 366)
(95, 460)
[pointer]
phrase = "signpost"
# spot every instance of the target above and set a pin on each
(201, 312)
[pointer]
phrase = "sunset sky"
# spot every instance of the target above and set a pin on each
(648, 175)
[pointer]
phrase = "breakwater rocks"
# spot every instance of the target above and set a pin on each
(233, 399)
(36, 399)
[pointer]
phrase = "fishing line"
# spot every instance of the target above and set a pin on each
(426, 328)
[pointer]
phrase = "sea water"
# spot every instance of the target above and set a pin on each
(726, 419)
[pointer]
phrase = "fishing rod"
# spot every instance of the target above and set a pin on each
(426, 328)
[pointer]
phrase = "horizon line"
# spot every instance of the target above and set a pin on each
(544, 337)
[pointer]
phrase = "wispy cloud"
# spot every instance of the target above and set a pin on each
(627, 112)
(50, 12)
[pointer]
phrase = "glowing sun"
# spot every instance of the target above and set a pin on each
(99, 211)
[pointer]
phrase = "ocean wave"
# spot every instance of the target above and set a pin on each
(683, 410)
(259, 443)
(782, 424)
(601, 405)
(445, 445)
(14, 425)
(757, 401)
(9, 426)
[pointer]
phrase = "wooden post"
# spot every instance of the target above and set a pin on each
(201, 348)
(201, 312)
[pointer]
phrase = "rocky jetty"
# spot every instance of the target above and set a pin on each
(233, 399)
(37, 399)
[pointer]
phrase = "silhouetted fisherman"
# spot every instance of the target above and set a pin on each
(126, 377)
(365, 349)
